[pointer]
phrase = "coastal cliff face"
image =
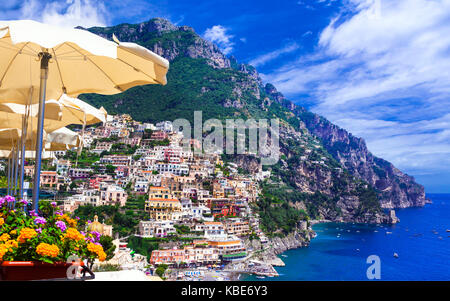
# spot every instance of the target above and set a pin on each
(324, 171)
(395, 189)
(278, 245)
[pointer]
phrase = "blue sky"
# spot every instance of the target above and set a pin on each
(379, 68)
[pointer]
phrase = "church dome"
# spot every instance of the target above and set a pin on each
(96, 226)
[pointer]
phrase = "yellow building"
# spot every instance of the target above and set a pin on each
(164, 209)
(101, 228)
(158, 192)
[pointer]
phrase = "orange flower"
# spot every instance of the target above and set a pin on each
(71, 222)
(4, 237)
(26, 234)
(2, 221)
(12, 243)
(73, 233)
(3, 250)
(44, 249)
(7, 247)
(97, 249)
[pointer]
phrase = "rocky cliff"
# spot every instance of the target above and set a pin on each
(395, 189)
(323, 171)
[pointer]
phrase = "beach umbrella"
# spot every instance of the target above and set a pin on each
(61, 139)
(66, 110)
(55, 61)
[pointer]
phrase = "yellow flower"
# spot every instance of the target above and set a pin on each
(97, 249)
(13, 232)
(73, 233)
(26, 234)
(4, 237)
(3, 250)
(2, 221)
(72, 222)
(12, 243)
(7, 247)
(44, 249)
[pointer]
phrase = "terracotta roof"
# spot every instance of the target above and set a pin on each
(164, 200)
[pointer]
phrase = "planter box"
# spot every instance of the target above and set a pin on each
(33, 270)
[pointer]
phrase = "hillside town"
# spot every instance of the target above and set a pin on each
(196, 204)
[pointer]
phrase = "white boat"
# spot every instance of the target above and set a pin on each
(395, 255)
(260, 277)
(284, 255)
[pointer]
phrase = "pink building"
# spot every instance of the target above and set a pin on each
(112, 194)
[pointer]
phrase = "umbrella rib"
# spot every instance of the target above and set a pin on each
(10, 63)
(115, 85)
(139, 70)
(8, 47)
(59, 71)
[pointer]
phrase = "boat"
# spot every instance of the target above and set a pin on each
(388, 232)
(284, 255)
(448, 230)
(395, 255)
(260, 277)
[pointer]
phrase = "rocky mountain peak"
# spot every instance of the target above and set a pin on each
(158, 25)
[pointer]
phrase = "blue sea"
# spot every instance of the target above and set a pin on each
(340, 251)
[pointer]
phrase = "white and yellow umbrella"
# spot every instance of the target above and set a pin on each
(11, 141)
(54, 61)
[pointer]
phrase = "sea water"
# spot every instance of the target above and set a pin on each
(340, 251)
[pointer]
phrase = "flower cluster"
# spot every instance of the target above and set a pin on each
(73, 234)
(44, 249)
(7, 247)
(40, 220)
(70, 221)
(97, 249)
(44, 235)
(26, 234)
(5, 237)
(61, 225)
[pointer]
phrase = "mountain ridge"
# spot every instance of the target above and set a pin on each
(202, 76)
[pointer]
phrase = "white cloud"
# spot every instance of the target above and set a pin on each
(382, 70)
(218, 34)
(70, 13)
(263, 59)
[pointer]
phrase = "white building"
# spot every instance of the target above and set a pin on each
(156, 228)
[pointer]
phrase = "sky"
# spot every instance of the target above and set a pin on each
(378, 68)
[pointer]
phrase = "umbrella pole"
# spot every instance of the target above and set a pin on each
(9, 174)
(16, 171)
(45, 57)
(13, 165)
(22, 159)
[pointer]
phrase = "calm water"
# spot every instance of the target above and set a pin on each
(420, 240)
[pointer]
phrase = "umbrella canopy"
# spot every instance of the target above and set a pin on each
(67, 110)
(61, 139)
(81, 62)
(40, 62)
(14, 121)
